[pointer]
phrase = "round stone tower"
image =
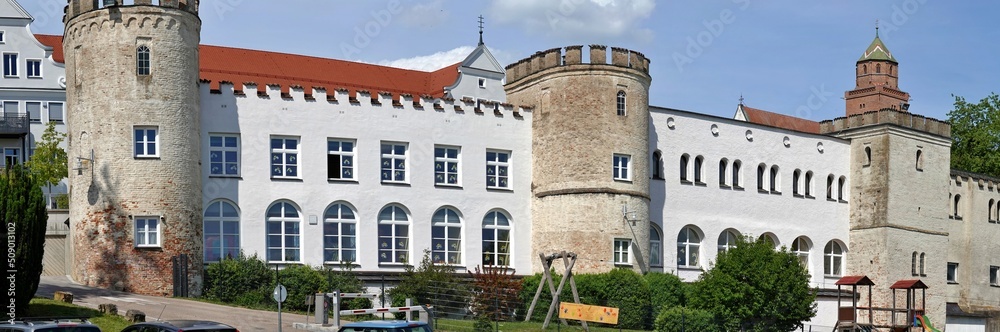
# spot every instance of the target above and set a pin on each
(133, 99)
(590, 154)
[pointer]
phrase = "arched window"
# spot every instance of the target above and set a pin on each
(684, 167)
(446, 237)
(283, 232)
(658, 165)
(913, 265)
(655, 247)
(393, 235)
(920, 160)
(922, 256)
(795, 182)
(991, 216)
(727, 240)
(868, 156)
(142, 61)
(775, 180)
(958, 207)
(761, 170)
(864, 68)
(769, 238)
(833, 259)
(723, 172)
(340, 234)
(698, 162)
(621, 103)
(878, 68)
(800, 248)
(222, 231)
(688, 243)
(737, 179)
(808, 184)
(829, 187)
(496, 239)
(840, 188)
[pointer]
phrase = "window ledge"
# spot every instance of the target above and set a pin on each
(234, 177)
(775, 192)
(336, 180)
(658, 178)
(447, 186)
(842, 201)
(400, 265)
(958, 218)
(623, 180)
(149, 248)
(283, 179)
(686, 182)
(396, 183)
(689, 268)
(797, 195)
(832, 276)
(808, 196)
(499, 189)
(724, 186)
(623, 264)
(738, 188)
(147, 157)
(994, 285)
(342, 264)
(700, 184)
(953, 282)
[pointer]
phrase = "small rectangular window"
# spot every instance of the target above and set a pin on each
(146, 141)
(34, 109)
(994, 275)
(224, 154)
(34, 68)
(621, 165)
(952, 273)
(622, 251)
(446, 165)
(285, 157)
(56, 112)
(147, 232)
(393, 164)
(10, 64)
(482, 83)
(3, 37)
(11, 156)
(11, 108)
(340, 159)
(498, 169)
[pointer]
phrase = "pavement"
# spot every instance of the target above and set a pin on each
(166, 308)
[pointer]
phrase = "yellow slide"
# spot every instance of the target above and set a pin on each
(926, 323)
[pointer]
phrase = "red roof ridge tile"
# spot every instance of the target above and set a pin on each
(772, 119)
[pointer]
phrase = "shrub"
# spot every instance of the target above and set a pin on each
(495, 293)
(432, 284)
(665, 290)
(345, 281)
(22, 208)
(244, 281)
(301, 281)
(676, 319)
(627, 290)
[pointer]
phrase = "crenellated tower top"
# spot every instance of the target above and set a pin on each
(75, 8)
(573, 55)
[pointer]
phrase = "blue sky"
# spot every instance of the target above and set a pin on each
(787, 56)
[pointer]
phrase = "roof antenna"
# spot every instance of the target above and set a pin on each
(480, 29)
(876, 28)
(741, 99)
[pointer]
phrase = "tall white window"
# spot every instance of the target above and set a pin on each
(394, 162)
(809, 184)
(498, 169)
(622, 250)
(737, 174)
(727, 240)
(829, 187)
(393, 235)
(621, 164)
(146, 142)
(222, 231)
(800, 248)
(952, 273)
(775, 180)
(655, 247)
(688, 243)
(147, 232)
(340, 234)
(833, 259)
(284, 157)
(796, 177)
(699, 172)
(34, 68)
(496, 239)
(621, 103)
(446, 237)
(685, 159)
(841, 184)
(142, 61)
(340, 159)
(446, 165)
(224, 154)
(761, 174)
(55, 112)
(10, 64)
(283, 233)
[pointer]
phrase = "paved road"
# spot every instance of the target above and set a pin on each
(246, 320)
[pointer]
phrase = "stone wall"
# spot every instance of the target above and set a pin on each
(106, 100)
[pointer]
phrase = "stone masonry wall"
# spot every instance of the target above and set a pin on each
(106, 100)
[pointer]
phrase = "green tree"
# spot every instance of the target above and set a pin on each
(48, 163)
(975, 135)
(753, 287)
(676, 319)
(22, 208)
(665, 291)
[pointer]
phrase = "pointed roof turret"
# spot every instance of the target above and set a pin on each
(877, 51)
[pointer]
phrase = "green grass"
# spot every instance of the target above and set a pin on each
(48, 308)
(452, 325)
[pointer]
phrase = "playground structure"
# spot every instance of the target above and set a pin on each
(863, 316)
(330, 303)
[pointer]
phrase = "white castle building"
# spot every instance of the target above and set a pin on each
(179, 148)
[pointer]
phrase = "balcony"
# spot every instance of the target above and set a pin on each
(13, 125)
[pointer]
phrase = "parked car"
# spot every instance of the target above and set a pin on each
(180, 325)
(49, 324)
(386, 326)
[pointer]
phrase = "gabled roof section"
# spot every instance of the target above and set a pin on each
(11, 9)
(855, 281)
(908, 284)
(482, 59)
(762, 117)
(877, 51)
(240, 66)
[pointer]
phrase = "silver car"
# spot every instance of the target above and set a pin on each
(48, 324)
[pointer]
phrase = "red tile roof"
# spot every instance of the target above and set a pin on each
(239, 66)
(855, 280)
(780, 120)
(908, 284)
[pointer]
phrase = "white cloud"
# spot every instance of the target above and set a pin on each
(595, 19)
(426, 15)
(443, 59)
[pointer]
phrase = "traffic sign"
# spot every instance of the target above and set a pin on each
(280, 293)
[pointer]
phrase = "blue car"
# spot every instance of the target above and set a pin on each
(386, 326)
